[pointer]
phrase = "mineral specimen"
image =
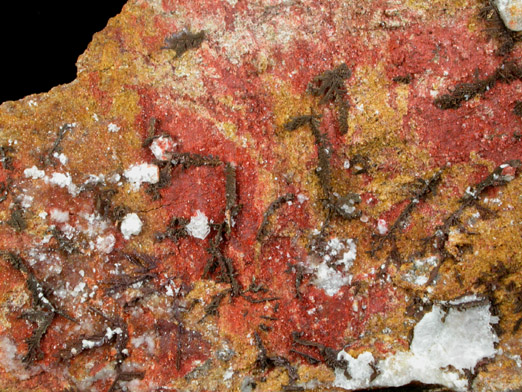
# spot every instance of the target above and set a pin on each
(511, 13)
(269, 195)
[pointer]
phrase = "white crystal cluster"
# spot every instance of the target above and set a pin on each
(511, 13)
(444, 345)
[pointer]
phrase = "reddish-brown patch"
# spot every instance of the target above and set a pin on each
(484, 125)
(102, 97)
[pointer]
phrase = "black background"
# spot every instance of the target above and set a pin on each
(41, 41)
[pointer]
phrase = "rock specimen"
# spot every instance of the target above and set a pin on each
(511, 13)
(290, 195)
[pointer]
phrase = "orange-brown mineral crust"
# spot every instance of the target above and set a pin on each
(269, 195)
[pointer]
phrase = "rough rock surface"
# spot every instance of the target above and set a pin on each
(269, 195)
(511, 13)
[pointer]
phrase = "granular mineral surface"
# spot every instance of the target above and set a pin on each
(297, 195)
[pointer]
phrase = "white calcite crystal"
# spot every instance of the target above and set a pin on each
(198, 226)
(328, 276)
(444, 345)
(59, 216)
(63, 180)
(34, 173)
(382, 226)
(330, 280)
(10, 359)
(105, 244)
(511, 13)
(144, 172)
(131, 225)
(162, 148)
(113, 127)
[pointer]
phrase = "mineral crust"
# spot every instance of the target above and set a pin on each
(269, 195)
(511, 13)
